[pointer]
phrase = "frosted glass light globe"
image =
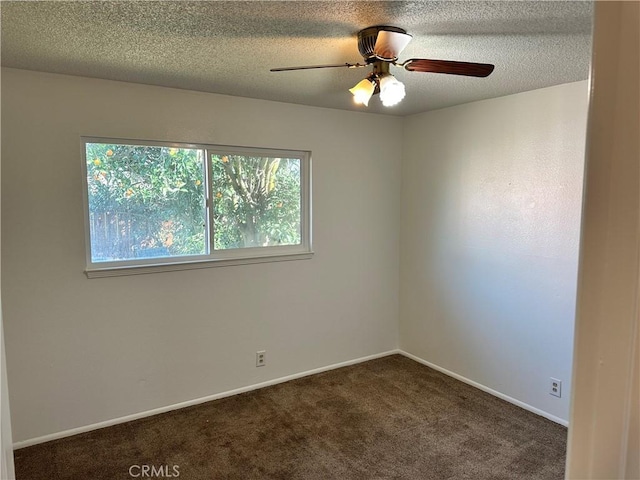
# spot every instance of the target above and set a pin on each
(391, 90)
(363, 91)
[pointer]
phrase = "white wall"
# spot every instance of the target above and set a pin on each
(83, 351)
(605, 416)
(490, 219)
(6, 439)
(491, 198)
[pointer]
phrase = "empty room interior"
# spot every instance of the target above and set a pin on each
(319, 240)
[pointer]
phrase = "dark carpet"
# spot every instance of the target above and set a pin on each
(390, 418)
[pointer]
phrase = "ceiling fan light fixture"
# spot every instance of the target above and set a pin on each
(391, 90)
(390, 44)
(380, 46)
(368, 38)
(363, 91)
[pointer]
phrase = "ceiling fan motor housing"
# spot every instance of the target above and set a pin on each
(367, 40)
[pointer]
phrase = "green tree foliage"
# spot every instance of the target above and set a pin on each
(257, 201)
(145, 201)
(149, 201)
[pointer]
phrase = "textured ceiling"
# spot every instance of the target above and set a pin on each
(229, 47)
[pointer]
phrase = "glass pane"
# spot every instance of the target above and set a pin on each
(256, 201)
(145, 201)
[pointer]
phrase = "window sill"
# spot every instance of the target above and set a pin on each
(171, 267)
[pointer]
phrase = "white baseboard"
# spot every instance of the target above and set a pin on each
(495, 393)
(216, 396)
(197, 401)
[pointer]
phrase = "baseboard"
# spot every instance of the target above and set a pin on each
(197, 401)
(216, 396)
(484, 388)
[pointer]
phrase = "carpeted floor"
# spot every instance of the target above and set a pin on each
(390, 418)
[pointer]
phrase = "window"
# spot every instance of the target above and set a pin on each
(157, 206)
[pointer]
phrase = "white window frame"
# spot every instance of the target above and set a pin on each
(215, 258)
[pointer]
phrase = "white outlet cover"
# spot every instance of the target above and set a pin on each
(555, 387)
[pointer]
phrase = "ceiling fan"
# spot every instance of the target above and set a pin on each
(380, 47)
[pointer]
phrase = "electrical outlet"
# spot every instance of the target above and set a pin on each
(261, 358)
(555, 387)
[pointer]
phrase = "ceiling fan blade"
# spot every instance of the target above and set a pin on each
(309, 67)
(450, 67)
(389, 44)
